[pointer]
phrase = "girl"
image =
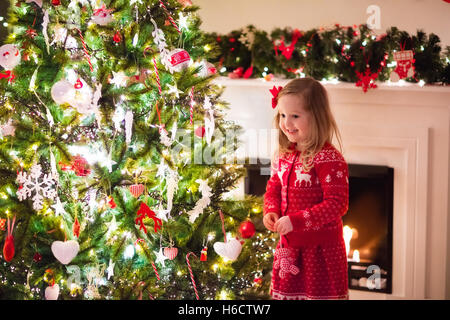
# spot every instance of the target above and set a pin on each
(306, 197)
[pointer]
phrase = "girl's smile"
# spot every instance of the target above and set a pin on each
(294, 118)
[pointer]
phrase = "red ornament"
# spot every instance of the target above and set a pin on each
(78, 84)
(170, 253)
(8, 248)
(204, 254)
(200, 131)
(248, 72)
(56, 2)
(137, 189)
(237, 73)
(117, 38)
(80, 166)
(405, 67)
(37, 257)
(179, 59)
(2, 224)
(247, 229)
(76, 228)
(366, 79)
(144, 211)
(111, 202)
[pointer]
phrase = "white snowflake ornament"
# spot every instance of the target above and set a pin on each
(35, 186)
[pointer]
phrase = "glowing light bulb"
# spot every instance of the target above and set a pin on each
(129, 252)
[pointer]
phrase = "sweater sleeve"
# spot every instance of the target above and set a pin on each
(272, 197)
(332, 171)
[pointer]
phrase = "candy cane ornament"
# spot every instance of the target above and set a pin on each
(156, 271)
(192, 275)
(191, 110)
(86, 52)
(169, 15)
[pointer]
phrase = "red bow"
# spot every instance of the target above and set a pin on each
(275, 91)
(289, 50)
(143, 211)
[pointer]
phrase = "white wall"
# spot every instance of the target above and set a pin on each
(432, 16)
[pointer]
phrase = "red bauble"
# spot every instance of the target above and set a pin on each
(200, 131)
(247, 229)
(56, 2)
(37, 257)
(78, 84)
(117, 38)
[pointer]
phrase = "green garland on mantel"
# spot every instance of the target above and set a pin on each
(344, 53)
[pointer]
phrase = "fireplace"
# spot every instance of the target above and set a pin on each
(368, 227)
(367, 224)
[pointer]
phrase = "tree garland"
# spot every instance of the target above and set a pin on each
(343, 53)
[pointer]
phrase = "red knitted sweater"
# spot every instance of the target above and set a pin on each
(315, 201)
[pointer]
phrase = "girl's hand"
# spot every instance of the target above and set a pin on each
(269, 220)
(283, 225)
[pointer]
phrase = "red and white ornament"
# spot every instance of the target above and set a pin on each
(137, 189)
(170, 253)
(102, 16)
(9, 56)
(405, 67)
(207, 69)
(200, 131)
(179, 59)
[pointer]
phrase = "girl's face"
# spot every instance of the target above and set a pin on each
(294, 119)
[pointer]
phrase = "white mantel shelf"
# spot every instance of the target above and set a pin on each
(401, 85)
(403, 126)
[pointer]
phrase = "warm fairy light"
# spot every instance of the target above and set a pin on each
(215, 267)
(207, 48)
(211, 236)
(129, 252)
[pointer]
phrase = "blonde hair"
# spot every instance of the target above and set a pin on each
(323, 126)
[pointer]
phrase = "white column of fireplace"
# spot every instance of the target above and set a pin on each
(406, 127)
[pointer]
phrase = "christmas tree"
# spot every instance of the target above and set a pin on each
(117, 161)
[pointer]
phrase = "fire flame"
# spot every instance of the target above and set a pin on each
(350, 233)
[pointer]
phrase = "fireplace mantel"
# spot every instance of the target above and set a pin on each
(403, 126)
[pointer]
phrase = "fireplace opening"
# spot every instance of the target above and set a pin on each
(367, 224)
(368, 227)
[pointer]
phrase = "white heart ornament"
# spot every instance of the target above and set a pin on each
(52, 293)
(65, 251)
(229, 250)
